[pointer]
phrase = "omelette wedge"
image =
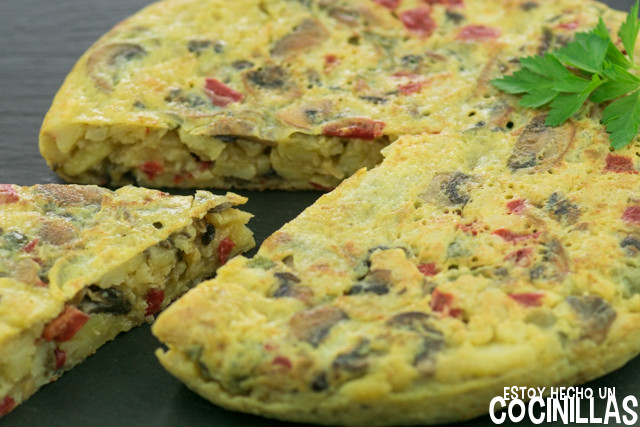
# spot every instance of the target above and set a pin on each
(416, 291)
(80, 264)
(272, 94)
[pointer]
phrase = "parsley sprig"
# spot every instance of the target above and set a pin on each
(590, 67)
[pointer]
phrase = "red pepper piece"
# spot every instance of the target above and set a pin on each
(357, 128)
(154, 300)
(478, 33)
(8, 194)
(221, 94)
(528, 300)
(282, 361)
(410, 88)
(619, 164)
(441, 302)
(428, 269)
(516, 206)
(178, 178)
(632, 214)
(29, 247)
(61, 358)
(224, 249)
(521, 257)
(419, 21)
(66, 325)
(391, 4)
(512, 237)
(572, 25)
(405, 73)
(6, 405)
(152, 169)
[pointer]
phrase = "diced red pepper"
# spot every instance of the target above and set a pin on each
(528, 300)
(269, 346)
(391, 4)
(571, 25)
(152, 169)
(178, 178)
(405, 73)
(66, 325)
(478, 33)
(6, 405)
(221, 94)
(632, 214)
(521, 257)
(472, 228)
(29, 247)
(512, 237)
(282, 361)
(419, 21)
(411, 88)
(445, 2)
(61, 358)
(441, 302)
(154, 300)
(204, 165)
(619, 164)
(428, 269)
(357, 128)
(8, 194)
(224, 249)
(516, 206)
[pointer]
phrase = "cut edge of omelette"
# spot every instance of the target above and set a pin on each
(82, 264)
(316, 330)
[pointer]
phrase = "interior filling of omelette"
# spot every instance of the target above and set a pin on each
(175, 158)
(123, 298)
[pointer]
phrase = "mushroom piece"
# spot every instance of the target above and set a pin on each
(105, 64)
(308, 34)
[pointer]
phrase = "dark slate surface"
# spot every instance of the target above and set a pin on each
(122, 384)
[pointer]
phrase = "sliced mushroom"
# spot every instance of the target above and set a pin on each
(268, 77)
(314, 325)
(595, 314)
(58, 232)
(72, 195)
(306, 35)
(376, 282)
(110, 300)
(554, 265)
(354, 363)
(449, 189)
(105, 64)
(539, 145)
(562, 210)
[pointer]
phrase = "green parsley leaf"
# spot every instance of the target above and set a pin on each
(620, 82)
(587, 52)
(592, 67)
(629, 30)
(614, 56)
(565, 106)
(523, 81)
(622, 118)
(538, 98)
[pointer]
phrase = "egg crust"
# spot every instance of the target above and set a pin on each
(416, 291)
(273, 94)
(80, 264)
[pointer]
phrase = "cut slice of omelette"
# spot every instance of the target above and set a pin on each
(80, 264)
(265, 94)
(415, 292)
